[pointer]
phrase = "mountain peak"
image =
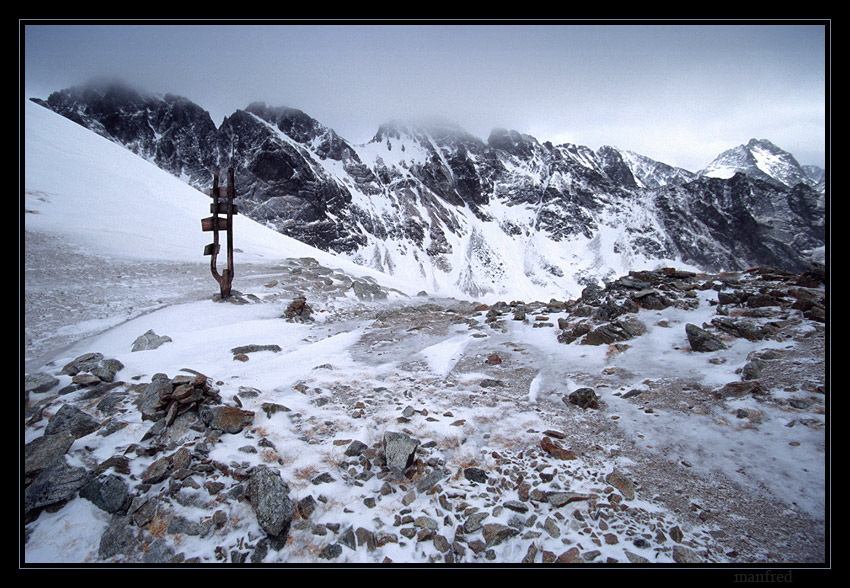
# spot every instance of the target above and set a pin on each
(760, 159)
(763, 143)
(511, 141)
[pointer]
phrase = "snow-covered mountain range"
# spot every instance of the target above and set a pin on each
(439, 207)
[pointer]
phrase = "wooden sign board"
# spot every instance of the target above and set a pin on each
(223, 208)
(222, 193)
(214, 223)
(212, 249)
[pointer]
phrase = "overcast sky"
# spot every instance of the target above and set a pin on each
(679, 93)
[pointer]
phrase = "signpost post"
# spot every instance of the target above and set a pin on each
(223, 197)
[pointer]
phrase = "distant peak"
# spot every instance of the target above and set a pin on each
(760, 143)
(511, 141)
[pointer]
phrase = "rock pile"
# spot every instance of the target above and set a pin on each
(298, 311)
(745, 304)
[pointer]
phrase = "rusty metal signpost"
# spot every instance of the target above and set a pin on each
(223, 197)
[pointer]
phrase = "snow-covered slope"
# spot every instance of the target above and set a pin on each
(98, 196)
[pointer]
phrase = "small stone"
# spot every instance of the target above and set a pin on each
(429, 481)
(558, 499)
(495, 533)
(683, 555)
(365, 537)
(475, 475)
(676, 534)
(425, 523)
(516, 506)
(584, 398)
(556, 450)
(323, 478)
(157, 471)
(356, 448)
(332, 551)
(473, 522)
(85, 380)
(740, 389)
(491, 383)
(306, 506)
(572, 555)
(551, 527)
(621, 483)
(635, 558)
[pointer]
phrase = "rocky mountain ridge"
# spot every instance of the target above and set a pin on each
(459, 213)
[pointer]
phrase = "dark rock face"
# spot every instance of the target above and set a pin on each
(171, 131)
(412, 187)
(728, 211)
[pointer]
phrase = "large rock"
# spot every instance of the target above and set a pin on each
(106, 369)
(399, 451)
(229, 419)
(701, 340)
(621, 329)
(39, 383)
(106, 492)
(269, 496)
(83, 363)
(584, 398)
(149, 340)
(741, 328)
(72, 420)
(56, 483)
(118, 538)
(150, 400)
(42, 451)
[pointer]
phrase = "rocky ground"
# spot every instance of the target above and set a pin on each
(519, 432)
